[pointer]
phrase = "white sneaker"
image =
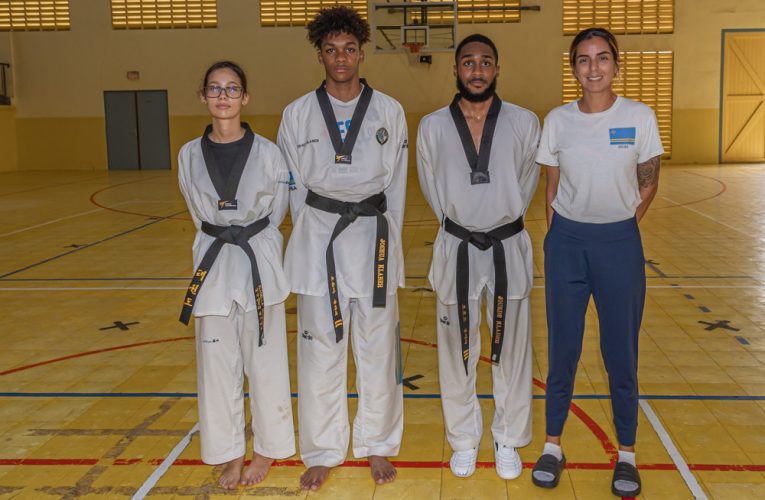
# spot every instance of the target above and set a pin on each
(462, 463)
(509, 465)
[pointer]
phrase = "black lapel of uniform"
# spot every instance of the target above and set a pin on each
(476, 162)
(235, 174)
(226, 180)
(344, 148)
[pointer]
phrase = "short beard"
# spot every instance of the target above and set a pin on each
(487, 94)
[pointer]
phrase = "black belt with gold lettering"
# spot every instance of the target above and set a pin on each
(374, 206)
(482, 241)
(232, 235)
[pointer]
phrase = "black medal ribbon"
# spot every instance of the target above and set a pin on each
(478, 162)
(343, 149)
(225, 178)
(232, 235)
(483, 241)
(374, 206)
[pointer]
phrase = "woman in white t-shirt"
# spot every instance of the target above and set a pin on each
(601, 156)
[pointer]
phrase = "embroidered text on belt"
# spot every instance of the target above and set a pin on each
(374, 206)
(232, 235)
(482, 241)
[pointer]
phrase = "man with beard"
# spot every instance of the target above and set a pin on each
(475, 160)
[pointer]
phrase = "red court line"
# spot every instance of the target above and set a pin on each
(90, 353)
(721, 191)
(596, 430)
(105, 207)
(402, 464)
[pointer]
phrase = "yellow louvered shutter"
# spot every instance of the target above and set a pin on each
(34, 15)
(301, 12)
(488, 11)
(644, 77)
(139, 14)
(619, 16)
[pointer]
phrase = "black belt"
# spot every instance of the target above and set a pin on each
(482, 241)
(233, 235)
(374, 206)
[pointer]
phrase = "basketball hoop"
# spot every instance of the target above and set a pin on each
(414, 47)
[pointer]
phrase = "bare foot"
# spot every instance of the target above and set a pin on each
(257, 470)
(382, 470)
(229, 479)
(314, 477)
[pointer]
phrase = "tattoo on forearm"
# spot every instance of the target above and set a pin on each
(648, 172)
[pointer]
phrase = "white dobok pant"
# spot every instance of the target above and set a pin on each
(227, 349)
(511, 377)
(323, 374)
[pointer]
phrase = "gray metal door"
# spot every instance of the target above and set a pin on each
(153, 129)
(121, 130)
(137, 130)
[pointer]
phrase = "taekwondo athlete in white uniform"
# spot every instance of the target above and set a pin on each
(235, 184)
(475, 161)
(346, 148)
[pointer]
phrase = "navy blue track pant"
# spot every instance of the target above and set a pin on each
(607, 262)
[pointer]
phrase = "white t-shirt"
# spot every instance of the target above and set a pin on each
(598, 154)
(344, 112)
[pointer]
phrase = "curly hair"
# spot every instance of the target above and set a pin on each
(336, 20)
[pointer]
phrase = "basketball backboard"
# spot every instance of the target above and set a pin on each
(427, 26)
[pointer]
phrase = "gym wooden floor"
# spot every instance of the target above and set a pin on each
(97, 376)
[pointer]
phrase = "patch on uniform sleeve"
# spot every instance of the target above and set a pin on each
(291, 182)
(381, 135)
(622, 136)
(405, 144)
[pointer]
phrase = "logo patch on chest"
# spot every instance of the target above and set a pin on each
(622, 136)
(381, 135)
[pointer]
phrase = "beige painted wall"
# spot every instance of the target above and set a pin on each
(61, 76)
(8, 153)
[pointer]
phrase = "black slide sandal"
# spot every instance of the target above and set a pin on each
(625, 472)
(551, 465)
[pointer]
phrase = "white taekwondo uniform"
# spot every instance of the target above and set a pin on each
(377, 164)
(446, 181)
(226, 310)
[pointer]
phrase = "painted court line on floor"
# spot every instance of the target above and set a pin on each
(404, 464)
(674, 453)
(165, 465)
(353, 395)
(699, 212)
(89, 245)
(148, 288)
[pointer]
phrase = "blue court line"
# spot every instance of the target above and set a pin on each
(352, 395)
(45, 261)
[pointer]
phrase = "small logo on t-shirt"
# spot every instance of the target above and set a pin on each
(622, 136)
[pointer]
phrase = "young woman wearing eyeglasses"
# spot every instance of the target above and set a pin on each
(236, 184)
(601, 155)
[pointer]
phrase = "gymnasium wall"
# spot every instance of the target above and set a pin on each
(7, 117)
(61, 76)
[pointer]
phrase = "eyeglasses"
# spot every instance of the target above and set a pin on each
(232, 92)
